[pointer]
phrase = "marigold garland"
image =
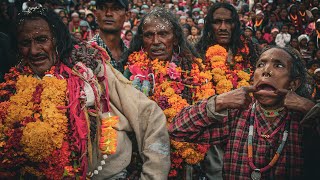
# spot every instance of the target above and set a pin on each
(170, 80)
(32, 128)
(227, 76)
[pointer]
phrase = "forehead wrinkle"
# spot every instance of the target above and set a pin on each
(162, 23)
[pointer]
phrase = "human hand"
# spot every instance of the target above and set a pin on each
(293, 101)
(236, 99)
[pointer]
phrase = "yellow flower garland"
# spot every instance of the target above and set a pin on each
(39, 138)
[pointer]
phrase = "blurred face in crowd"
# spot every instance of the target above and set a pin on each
(200, 26)
(89, 18)
(65, 20)
(111, 16)
(84, 28)
(258, 34)
(293, 10)
(190, 21)
(129, 36)
(318, 54)
(283, 13)
(311, 46)
(186, 32)
(294, 43)
(315, 3)
(274, 34)
(36, 45)
(318, 26)
(183, 21)
(222, 26)
(273, 18)
(204, 9)
(248, 32)
(292, 30)
(194, 31)
(259, 16)
(158, 38)
(78, 36)
(245, 19)
(62, 14)
(303, 42)
(284, 29)
(75, 19)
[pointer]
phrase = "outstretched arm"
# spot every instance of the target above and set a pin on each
(207, 121)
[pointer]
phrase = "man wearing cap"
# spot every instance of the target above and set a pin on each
(111, 15)
(74, 24)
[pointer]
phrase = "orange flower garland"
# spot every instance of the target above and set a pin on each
(170, 81)
(225, 79)
(32, 120)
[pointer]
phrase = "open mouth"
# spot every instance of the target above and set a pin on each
(157, 51)
(266, 87)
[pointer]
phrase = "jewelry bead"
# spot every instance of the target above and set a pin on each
(95, 172)
(103, 162)
(99, 168)
(105, 156)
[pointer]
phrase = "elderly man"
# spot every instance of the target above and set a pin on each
(222, 27)
(111, 15)
(162, 64)
(69, 112)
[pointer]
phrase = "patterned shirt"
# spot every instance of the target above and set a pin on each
(199, 124)
(117, 64)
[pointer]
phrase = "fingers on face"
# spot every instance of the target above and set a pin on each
(282, 92)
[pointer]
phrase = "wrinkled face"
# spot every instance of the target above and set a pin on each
(36, 45)
(110, 16)
(222, 26)
(272, 73)
(158, 38)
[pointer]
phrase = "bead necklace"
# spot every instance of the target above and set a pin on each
(256, 173)
(272, 113)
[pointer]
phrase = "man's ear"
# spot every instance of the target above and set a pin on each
(295, 84)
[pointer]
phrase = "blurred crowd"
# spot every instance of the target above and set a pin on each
(293, 23)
